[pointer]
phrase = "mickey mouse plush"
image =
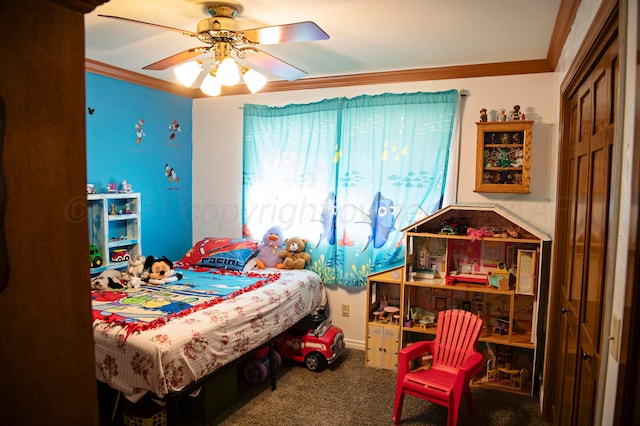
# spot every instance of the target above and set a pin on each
(159, 270)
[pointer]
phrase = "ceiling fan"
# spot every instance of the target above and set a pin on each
(225, 38)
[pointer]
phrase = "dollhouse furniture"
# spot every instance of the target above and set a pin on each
(491, 373)
(455, 361)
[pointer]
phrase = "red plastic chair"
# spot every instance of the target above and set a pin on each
(455, 362)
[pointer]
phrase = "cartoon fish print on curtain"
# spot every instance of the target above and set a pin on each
(348, 187)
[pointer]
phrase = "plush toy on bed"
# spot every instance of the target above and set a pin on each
(159, 270)
(111, 279)
(294, 255)
(269, 248)
(135, 269)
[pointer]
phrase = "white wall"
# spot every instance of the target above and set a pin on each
(217, 159)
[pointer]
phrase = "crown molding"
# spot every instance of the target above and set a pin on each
(107, 70)
(401, 76)
(566, 15)
(564, 21)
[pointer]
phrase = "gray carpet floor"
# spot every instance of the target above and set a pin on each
(348, 393)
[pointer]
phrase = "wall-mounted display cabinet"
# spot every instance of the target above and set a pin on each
(114, 230)
(478, 258)
(503, 157)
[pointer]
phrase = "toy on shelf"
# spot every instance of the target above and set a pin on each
(112, 188)
(500, 277)
(91, 188)
(502, 327)
(125, 187)
(474, 278)
(119, 255)
(516, 114)
(95, 256)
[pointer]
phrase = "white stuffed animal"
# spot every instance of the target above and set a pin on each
(135, 268)
(109, 279)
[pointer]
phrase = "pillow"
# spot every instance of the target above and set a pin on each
(222, 253)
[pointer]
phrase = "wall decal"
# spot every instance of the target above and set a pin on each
(170, 173)
(139, 132)
(173, 129)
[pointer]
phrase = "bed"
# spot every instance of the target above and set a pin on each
(161, 339)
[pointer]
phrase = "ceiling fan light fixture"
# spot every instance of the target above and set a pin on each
(187, 73)
(211, 85)
(253, 79)
(228, 72)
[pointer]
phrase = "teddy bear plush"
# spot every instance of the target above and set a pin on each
(294, 256)
(269, 249)
(159, 270)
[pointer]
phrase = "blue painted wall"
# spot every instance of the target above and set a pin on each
(115, 152)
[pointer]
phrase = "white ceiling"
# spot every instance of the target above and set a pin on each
(365, 35)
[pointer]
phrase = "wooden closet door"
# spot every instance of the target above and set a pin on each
(583, 207)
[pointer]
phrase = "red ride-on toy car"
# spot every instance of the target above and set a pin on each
(313, 341)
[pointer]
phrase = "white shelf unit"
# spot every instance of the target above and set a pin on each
(114, 225)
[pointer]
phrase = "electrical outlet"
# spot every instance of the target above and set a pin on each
(345, 310)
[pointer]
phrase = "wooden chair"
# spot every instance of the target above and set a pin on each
(455, 362)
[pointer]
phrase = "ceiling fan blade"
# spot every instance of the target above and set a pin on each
(301, 31)
(272, 64)
(189, 33)
(172, 60)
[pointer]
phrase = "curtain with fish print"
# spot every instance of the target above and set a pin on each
(347, 175)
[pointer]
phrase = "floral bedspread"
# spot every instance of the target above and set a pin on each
(164, 354)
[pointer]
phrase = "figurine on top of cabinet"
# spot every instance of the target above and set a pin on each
(502, 115)
(483, 114)
(516, 114)
(125, 187)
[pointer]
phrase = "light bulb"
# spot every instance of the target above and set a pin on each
(211, 85)
(228, 72)
(187, 73)
(253, 79)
